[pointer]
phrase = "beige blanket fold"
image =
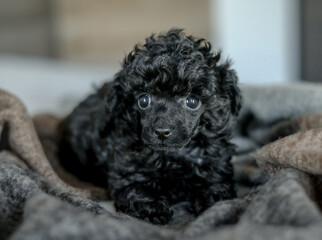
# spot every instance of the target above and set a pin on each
(301, 150)
(24, 142)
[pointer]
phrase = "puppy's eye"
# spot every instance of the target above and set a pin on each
(144, 101)
(193, 102)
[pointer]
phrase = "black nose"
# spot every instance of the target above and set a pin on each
(162, 133)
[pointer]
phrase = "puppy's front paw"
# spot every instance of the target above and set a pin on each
(200, 204)
(157, 212)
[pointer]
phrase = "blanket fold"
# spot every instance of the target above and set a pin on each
(23, 140)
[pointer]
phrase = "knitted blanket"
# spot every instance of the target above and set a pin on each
(278, 175)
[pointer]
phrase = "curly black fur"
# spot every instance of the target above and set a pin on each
(111, 141)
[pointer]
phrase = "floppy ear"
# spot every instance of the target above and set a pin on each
(115, 101)
(227, 86)
(119, 108)
(114, 104)
(226, 78)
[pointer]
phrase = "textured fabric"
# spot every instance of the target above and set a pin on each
(275, 102)
(283, 204)
(302, 150)
(23, 140)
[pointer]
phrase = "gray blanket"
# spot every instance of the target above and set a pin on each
(278, 169)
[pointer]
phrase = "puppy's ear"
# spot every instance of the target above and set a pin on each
(226, 78)
(227, 86)
(115, 102)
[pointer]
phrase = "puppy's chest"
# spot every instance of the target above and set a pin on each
(172, 169)
(175, 181)
(170, 177)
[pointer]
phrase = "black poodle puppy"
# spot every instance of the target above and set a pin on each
(159, 133)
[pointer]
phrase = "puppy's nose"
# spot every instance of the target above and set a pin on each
(163, 133)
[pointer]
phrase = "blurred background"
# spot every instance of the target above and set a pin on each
(52, 52)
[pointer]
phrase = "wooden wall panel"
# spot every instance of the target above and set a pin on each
(103, 31)
(25, 27)
(93, 31)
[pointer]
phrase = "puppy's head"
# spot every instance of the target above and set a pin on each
(176, 87)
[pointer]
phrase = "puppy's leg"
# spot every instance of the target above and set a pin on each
(203, 198)
(210, 184)
(137, 202)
